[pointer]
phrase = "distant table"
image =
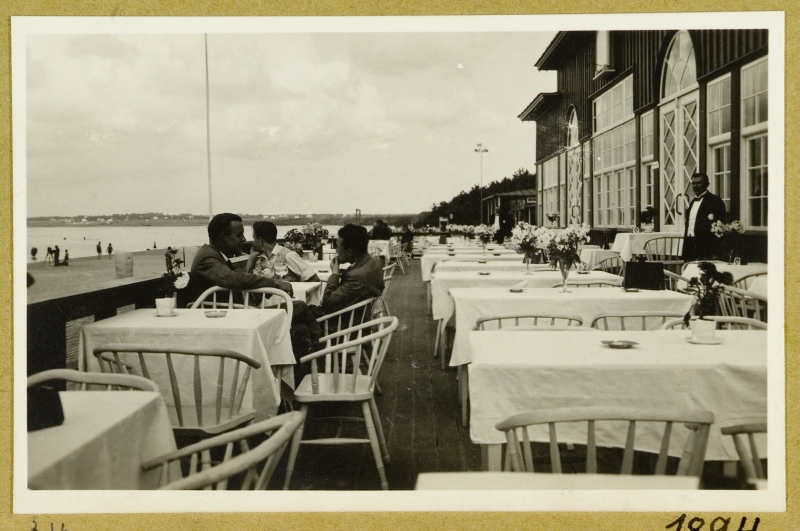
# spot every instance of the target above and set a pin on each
(258, 334)
(308, 292)
(756, 284)
(452, 267)
(592, 257)
(472, 249)
(630, 244)
(381, 246)
(473, 303)
(105, 437)
(513, 481)
(514, 372)
(429, 260)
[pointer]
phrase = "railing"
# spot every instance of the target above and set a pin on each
(48, 315)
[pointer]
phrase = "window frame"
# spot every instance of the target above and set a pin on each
(759, 130)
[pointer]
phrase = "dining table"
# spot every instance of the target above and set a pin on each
(429, 260)
(451, 266)
(105, 437)
(585, 303)
(755, 284)
(592, 257)
(515, 372)
(260, 334)
(630, 244)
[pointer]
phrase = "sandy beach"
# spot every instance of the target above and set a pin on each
(89, 271)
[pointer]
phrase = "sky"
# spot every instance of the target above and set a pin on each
(299, 122)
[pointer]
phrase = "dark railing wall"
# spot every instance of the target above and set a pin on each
(48, 316)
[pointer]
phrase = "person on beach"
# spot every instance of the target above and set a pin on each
(99, 250)
(169, 258)
(49, 256)
(110, 250)
(34, 250)
(266, 251)
(56, 252)
(66, 258)
(699, 242)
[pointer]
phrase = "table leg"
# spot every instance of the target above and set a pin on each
(429, 299)
(492, 457)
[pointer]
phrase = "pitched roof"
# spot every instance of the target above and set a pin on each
(541, 103)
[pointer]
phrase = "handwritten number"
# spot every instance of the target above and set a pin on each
(696, 524)
(678, 522)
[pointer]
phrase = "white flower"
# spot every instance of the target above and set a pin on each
(182, 280)
(711, 217)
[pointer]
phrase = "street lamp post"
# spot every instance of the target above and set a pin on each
(480, 149)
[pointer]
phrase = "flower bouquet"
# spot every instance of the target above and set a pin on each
(523, 240)
(562, 248)
(171, 281)
(706, 293)
(314, 234)
(293, 240)
(647, 218)
(729, 235)
(484, 233)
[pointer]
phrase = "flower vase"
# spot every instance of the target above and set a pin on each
(564, 266)
(318, 249)
(702, 329)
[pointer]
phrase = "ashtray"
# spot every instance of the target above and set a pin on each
(712, 341)
(630, 290)
(216, 313)
(583, 272)
(516, 290)
(619, 344)
(484, 273)
(481, 261)
(495, 254)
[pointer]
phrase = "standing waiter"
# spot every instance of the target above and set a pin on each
(699, 243)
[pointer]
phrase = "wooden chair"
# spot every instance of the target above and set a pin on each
(343, 381)
(252, 298)
(748, 454)
(736, 302)
(671, 281)
(524, 322)
(666, 249)
(633, 320)
(207, 474)
(745, 281)
(396, 254)
(723, 323)
(191, 415)
(353, 315)
(519, 453)
(380, 308)
(614, 265)
(111, 382)
(590, 283)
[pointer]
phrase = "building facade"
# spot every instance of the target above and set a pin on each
(636, 113)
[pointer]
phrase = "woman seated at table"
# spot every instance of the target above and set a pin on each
(266, 251)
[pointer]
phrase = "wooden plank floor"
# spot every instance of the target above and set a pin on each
(419, 410)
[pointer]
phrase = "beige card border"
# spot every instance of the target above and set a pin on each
(540, 520)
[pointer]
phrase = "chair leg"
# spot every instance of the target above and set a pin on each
(373, 442)
(443, 346)
(379, 428)
(463, 387)
(436, 340)
(298, 436)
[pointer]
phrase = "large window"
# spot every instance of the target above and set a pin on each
(720, 175)
(614, 147)
(679, 68)
(718, 100)
(719, 107)
(550, 187)
(647, 133)
(754, 143)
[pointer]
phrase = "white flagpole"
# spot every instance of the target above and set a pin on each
(208, 137)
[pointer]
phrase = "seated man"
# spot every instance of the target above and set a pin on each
(407, 238)
(380, 231)
(266, 250)
(212, 266)
(364, 278)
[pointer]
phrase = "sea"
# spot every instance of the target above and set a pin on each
(82, 241)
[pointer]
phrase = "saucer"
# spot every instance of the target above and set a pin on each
(484, 273)
(583, 272)
(173, 314)
(516, 290)
(619, 344)
(715, 341)
(630, 290)
(217, 313)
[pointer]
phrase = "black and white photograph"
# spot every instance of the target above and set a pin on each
(474, 263)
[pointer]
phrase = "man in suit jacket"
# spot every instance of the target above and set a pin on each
(364, 278)
(699, 242)
(212, 266)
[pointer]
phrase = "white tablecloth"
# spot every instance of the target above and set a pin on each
(258, 334)
(472, 303)
(381, 246)
(308, 292)
(541, 277)
(757, 284)
(451, 267)
(629, 244)
(429, 261)
(592, 257)
(513, 372)
(472, 249)
(105, 437)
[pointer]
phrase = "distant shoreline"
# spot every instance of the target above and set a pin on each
(200, 221)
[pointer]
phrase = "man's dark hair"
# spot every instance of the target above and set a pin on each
(266, 230)
(354, 238)
(703, 175)
(220, 226)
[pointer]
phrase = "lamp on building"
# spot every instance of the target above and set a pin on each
(480, 149)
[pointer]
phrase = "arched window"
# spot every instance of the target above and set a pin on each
(680, 70)
(572, 129)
